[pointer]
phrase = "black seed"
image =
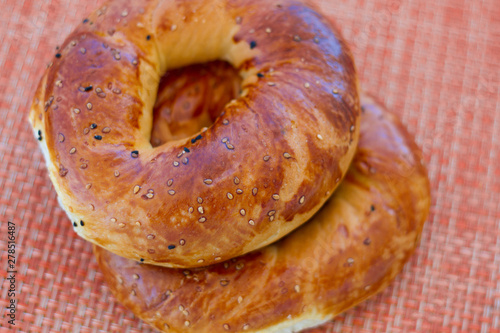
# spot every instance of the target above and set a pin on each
(260, 75)
(74, 224)
(142, 259)
(134, 154)
(89, 88)
(196, 139)
(372, 208)
(93, 126)
(253, 44)
(148, 37)
(81, 223)
(58, 55)
(171, 247)
(39, 135)
(367, 241)
(86, 20)
(97, 137)
(186, 150)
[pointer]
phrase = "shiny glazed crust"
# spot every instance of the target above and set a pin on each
(285, 142)
(351, 249)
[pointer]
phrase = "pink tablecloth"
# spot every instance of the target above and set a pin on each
(436, 63)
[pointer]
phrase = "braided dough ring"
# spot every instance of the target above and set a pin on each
(270, 160)
(350, 250)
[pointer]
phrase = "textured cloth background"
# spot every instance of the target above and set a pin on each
(436, 63)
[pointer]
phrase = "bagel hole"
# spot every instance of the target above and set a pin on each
(191, 98)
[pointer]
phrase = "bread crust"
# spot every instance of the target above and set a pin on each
(93, 114)
(351, 249)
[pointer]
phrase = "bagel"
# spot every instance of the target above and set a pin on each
(269, 161)
(351, 249)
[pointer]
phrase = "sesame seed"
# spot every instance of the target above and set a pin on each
(276, 197)
(59, 83)
(240, 265)
(171, 192)
(89, 106)
(302, 199)
(271, 212)
(76, 110)
(117, 173)
(236, 180)
(61, 137)
(72, 150)
(335, 91)
(352, 128)
(225, 121)
(191, 209)
(239, 191)
(246, 327)
(117, 91)
(271, 218)
(266, 158)
(350, 261)
(243, 212)
(268, 30)
(320, 137)
(240, 299)
(182, 242)
(224, 282)
(150, 195)
(307, 85)
(124, 13)
(297, 288)
(150, 236)
(254, 191)
(138, 223)
(251, 222)
(83, 166)
(134, 62)
(200, 260)
(217, 258)
(117, 56)
(171, 247)
(208, 181)
(186, 323)
(173, 27)
(226, 327)
(238, 20)
(229, 146)
(82, 50)
(170, 182)
(229, 196)
(297, 38)
(287, 155)
(137, 188)
(176, 164)
(200, 200)
(316, 40)
(88, 186)
(271, 84)
(86, 130)
(98, 137)
(185, 160)
(202, 219)
(135, 276)
(200, 210)
(224, 140)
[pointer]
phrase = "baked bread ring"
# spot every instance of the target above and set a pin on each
(269, 161)
(350, 250)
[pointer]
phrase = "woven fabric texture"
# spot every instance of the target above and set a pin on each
(435, 63)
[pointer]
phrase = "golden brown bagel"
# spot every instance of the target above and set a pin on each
(351, 249)
(269, 161)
